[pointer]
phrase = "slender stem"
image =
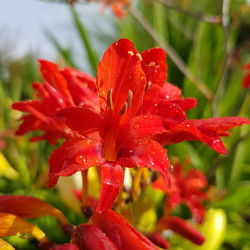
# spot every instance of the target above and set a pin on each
(172, 53)
(84, 187)
(195, 15)
(227, 59)
(136, 183)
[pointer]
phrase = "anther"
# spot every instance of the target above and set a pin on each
(130, 97)
(124, 109)
(131, 53)
(139, 56)
(148, 85)
(110, 98)
(128, 102)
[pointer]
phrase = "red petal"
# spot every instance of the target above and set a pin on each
(53, 76)
(246, 81)
(188, 132)
(170, 113)
(170, 92)
(246, 66)
(82, 88)
(74, 155)
(183, 228)
(112, 180)
(81, 120)
(142, 126)
(90, 237)
(218, 126)
(154, 65)
(67, 246)
(120, 70)
(196, 207)
(158, 240)
(29, 207)
(146, 153)
(121, 232)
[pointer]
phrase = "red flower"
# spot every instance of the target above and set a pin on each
(246, 78)
(185, 188)
(119, 135)
(61, 89)
(119, 121)
(120, 232)
(182, 228)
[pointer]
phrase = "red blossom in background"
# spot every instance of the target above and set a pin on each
(246, 78)
(185, 188)
(61, 89)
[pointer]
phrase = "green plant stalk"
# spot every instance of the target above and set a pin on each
(85, 40)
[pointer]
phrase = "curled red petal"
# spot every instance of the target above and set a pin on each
(154, 65)
(121, 232)
(81, 120)
(112, 181)
(74, 155)
(90, 237)
(146, 153)
(183, 228)
(29, 207)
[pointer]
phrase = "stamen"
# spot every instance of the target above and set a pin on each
(128, 102)
(139, 56)
(148, 86)
(130, 97)
(110, 98)
(124, 109)
(131, 53)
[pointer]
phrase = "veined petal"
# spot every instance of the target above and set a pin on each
(5, 245)
(29, 207)
(154, 65)
(13, 225)
(121, 232)
(90, 237)
(121, 79)
(74, 155)
(183, 228)
(112, 181)
(146, 153)
(81, 120)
